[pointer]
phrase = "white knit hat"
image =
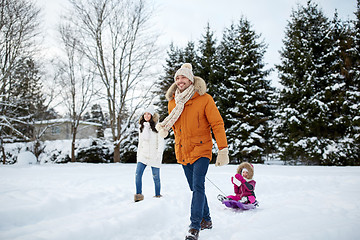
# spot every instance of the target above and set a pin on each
(150, 109)
(185, 70)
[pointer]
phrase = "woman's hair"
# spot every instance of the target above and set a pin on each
(152, 124)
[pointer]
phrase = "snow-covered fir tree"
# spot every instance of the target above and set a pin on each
(353, 93)
(129, 143)
(245, 92)
(340, 140)
(301, 107)
(96, 116)
(190, 55)
(207, 63)
(26, 99)
(312, 105)
(165, 80)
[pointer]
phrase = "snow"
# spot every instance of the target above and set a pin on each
(54, 151)
(26, 158)
(89, 201)
(294, 119)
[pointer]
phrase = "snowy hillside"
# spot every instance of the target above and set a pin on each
(94, 202)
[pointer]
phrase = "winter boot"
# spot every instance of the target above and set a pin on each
(205, 224)
(222, 198)
(138, 197)
(193, 234)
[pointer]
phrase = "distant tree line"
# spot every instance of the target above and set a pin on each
(313, 119)
(108, 52)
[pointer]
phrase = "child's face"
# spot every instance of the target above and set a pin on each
(245, 174)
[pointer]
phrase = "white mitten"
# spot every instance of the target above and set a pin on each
(162, 131)
(222, 157)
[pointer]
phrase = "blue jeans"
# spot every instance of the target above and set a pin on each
(195, 174)
(140, 167)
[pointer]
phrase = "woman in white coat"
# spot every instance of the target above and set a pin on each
(149, 153)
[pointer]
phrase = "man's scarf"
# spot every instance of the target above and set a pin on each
(180, 99)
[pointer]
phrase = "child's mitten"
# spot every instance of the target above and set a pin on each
(236, 180)
(239, 178)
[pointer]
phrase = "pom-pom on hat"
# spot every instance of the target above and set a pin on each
(185, 70)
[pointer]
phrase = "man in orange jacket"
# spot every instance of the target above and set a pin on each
(192, 116)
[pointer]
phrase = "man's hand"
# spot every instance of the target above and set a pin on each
(222, 157)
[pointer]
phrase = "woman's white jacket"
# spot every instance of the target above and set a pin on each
(151, 147)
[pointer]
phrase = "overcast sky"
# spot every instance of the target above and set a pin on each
(181, 21)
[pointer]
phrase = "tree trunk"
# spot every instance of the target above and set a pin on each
(73, 159)
(117, 153)
(2, 151)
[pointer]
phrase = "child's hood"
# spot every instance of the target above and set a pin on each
(249, 167)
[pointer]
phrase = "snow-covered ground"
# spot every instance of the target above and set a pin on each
(88, 201)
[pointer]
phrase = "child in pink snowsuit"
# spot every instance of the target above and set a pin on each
(244, 185)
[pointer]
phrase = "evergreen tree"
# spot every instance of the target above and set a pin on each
(207, 63)
(353, 93)
(245, 100)
(190, 56)
(173, 62)
(339, 149)
(311, 103)
(26, 96)
(207, 66)
(130, 143)
(96, 116)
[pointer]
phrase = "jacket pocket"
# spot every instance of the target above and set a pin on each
(200, 140)
(200, 146)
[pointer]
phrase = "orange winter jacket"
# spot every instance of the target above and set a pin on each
(192, 130)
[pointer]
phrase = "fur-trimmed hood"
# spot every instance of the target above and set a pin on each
(249, 167)
(155, 117)
(199, 85)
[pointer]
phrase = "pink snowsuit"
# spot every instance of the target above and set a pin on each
(246, 189)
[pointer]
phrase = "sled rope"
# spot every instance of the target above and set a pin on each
(212, 183)
(215, 186)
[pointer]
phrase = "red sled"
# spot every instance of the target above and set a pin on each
(238, 205)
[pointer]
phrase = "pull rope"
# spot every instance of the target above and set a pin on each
(210, 182)
(215, 185)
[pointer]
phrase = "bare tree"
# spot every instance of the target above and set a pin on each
(19, 28)
(116, 37)
(76, 82)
